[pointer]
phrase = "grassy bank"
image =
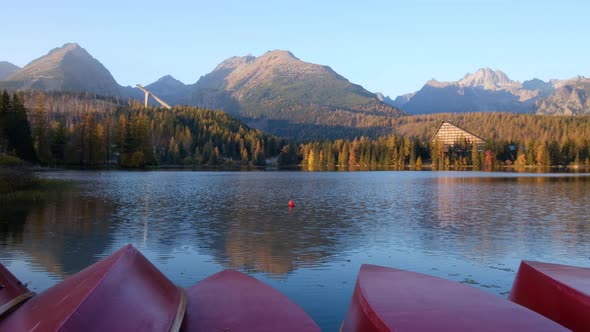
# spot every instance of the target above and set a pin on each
(18, 183)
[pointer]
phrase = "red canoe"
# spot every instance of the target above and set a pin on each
(12, 291)
(388, 299)
(233, 301)
(122, 292)
(559, 292)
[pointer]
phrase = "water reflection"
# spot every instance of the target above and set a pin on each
(239, 219)
(466, 226)
(61, 237)
(499, 216)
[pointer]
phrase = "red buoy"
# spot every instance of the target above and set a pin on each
(291, 204)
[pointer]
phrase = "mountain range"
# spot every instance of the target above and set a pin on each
(276, 92)
(489, 90)
(281, 94)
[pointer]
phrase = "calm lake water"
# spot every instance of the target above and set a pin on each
(469, 227)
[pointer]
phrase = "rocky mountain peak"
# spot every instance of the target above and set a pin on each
(283, 54)
(68, 47)
(66, 68)
(168, 80)
(234, 62)
(437, 84)
(485, 78)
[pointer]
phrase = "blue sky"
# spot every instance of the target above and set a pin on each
(388, 46)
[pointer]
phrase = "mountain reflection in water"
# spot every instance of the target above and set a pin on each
(470, 227)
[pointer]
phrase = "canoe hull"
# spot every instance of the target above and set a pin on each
(12, 292)
(559, 292)
(122, 292)
(233, 301)
(388, 299)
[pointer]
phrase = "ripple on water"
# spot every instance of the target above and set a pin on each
(468, 227)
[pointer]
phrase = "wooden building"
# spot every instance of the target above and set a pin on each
(449, 134)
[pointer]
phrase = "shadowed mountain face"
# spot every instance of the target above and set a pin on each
(492, 91)
(7, 69)
(486, 90)
(68, 68)
(171, 90)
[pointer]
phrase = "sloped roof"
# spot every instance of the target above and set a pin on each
(467, 134)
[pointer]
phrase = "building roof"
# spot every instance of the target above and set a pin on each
(458, 133)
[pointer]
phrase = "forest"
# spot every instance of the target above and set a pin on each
(517, 141)
(82, 130)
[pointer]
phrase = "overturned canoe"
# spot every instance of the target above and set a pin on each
(12, 291)
(388, 299)
(122, 292)
(233, 301)
(559, 292)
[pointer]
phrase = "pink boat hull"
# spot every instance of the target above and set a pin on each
(388, 299)
(233, 301)
(122, 292)
(559, 292)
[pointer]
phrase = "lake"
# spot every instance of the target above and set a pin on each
(471, 227)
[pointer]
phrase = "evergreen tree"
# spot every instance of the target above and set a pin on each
(4, 107)
(18, 130)
(41, 132)
(58, 144)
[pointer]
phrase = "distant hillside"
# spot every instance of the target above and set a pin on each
(171, 90)
(283, 95)
(492, 91)
(67, 68)
(498, 126)
(571, 97)
(277, 90)
(486, 90)
(7, 69)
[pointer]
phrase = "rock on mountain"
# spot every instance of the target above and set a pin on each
(488, 79)
(486, 90)
(571, 97)
(536, 84)
(7, 69)
(278, 89)
(67, 68)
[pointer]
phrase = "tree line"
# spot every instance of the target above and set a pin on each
(91, 132)
(512, 140)
(403, 152)
(88, 130)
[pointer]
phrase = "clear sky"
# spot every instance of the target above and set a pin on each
(388, 46)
